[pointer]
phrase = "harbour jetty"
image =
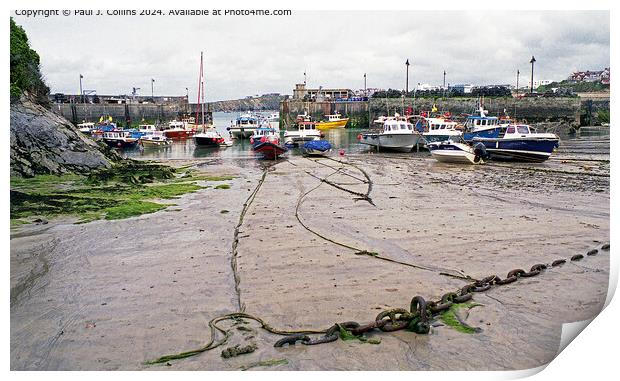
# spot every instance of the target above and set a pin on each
(566, 111)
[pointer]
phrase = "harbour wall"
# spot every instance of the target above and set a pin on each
(564, 111)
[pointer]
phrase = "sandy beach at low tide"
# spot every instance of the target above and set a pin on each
(110, 295)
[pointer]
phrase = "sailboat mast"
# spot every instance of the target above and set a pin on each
(202, 74)
(199, 82)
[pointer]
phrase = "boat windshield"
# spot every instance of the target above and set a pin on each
(523, 130)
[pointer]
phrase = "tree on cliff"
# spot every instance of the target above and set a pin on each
(25, 74)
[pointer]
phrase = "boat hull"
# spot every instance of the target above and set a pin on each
(151, 143)
(268, 150)
(431, 138)
(120, 143)
(207, 141)
(447, 152)
(334, 124)
(178, 134)
(492, 133)
(392, 142)
(529, 150)
(242, 133)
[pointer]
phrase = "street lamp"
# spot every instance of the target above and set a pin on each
(407, 82)
(152, 92)
(365, 93)
(532, 80)
(81, 92)
(518, 81)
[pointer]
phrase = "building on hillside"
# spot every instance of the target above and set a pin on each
(601, 76)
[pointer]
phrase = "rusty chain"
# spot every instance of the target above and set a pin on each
(421, 312)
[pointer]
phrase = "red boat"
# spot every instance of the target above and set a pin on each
(269, 147)
(179, 130)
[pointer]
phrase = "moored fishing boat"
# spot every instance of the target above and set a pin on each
(517, 142)
(457, 151)
(306, 131)
(86, 127)
(266, 142)
(179, 130)
(317, 148)
(333, 121)
(155, 139)
(481, 125)
(244, 126)
(119, 139)
(437, 129)
(397, 135)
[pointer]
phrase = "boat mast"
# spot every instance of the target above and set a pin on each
(202, 76)
(199, 82)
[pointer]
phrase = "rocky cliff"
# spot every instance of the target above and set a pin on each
(43, 142)
(271, 102)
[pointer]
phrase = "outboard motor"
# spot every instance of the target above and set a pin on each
(481, 152)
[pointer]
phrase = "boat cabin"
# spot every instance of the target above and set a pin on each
(301, 126)
(334, 117)
(175, 124)
(86, 125)
(520, 130)
(392, 126)
(264, 131)
(437, 124)
(146, 128)
(246, 121)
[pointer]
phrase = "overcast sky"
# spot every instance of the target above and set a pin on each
(256, 55)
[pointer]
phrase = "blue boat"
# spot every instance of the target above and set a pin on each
(316, 147)
(481, 126)
(520, 143)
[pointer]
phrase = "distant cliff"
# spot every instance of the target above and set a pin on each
(271, 102)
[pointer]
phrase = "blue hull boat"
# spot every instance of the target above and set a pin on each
(518, 143)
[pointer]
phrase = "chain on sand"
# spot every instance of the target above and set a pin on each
(416, 319)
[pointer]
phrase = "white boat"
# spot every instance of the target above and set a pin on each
(306, 131)
(438, 129)
(457, 151)
(146, 128)
(244, 126)
(155, 139)
(397, 135)
(86, 127)
(274, 120)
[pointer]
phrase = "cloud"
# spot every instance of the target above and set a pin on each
(255, 55)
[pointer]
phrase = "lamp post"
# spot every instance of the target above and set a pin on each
(407, 81)
(152, 91)
(81, 92)
(532, 80)
(365, 93)
(518, 81)
(444, 83)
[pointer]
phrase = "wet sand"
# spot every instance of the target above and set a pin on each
(110, 295)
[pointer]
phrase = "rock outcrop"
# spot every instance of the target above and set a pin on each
(43, 142)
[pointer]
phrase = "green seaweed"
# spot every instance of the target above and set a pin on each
(346, 335)
(273, 362)
(126, 190)
(450, 319)
(222, 186)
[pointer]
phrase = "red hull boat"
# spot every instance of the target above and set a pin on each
(179, 134)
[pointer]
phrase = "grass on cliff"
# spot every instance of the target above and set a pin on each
(125, 190)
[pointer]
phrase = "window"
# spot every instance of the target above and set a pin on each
(523, 130)
(403, 126)
(410, 126)
(510, 130)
